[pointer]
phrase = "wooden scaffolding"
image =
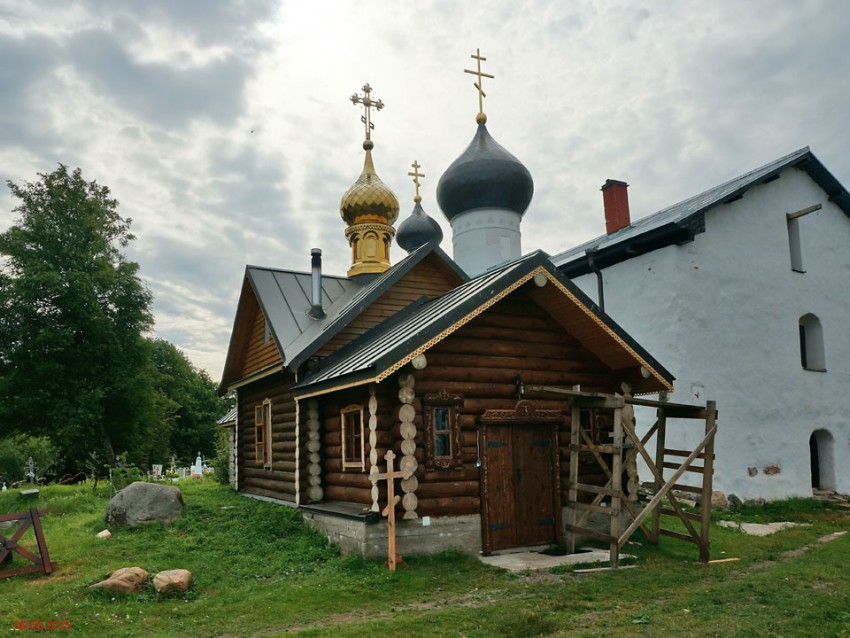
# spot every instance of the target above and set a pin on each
(624, 447)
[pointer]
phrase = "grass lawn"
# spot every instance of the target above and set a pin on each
(259, 572)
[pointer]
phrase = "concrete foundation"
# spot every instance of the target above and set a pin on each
(427, 535)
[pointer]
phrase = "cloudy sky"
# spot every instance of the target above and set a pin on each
(225, 130)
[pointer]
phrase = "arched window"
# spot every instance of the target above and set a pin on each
(811, 343)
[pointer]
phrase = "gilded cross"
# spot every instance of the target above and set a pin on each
(367, 102)
(416, 175)
(389, 476)
(478, 85)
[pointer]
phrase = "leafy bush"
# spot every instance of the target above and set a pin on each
(17, 449)
(125, 473)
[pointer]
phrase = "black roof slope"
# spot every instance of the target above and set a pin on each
(384, 349)
(681, 222)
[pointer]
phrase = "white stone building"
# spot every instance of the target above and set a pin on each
(744, 292)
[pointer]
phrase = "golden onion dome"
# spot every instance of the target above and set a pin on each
(369, 200)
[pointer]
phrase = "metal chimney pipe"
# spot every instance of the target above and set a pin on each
(316, 311)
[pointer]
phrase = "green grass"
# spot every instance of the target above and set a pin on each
(258, 571)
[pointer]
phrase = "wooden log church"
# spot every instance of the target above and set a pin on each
(449, 363)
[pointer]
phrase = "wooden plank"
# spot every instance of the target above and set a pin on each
(684, 453)
(663, 492)
(603, 509)
(800, 213)
(660, 442)
(708, 475)
(671, 512)
(584, 531)
(616, 484)
(679, 536)
(675, 466)
(572, 493)
(596, 489)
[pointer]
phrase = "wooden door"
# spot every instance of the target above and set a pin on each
(520, 486)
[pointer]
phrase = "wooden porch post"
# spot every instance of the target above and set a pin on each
(707, 482)
(660, 445)
(616, 486)
(572, 492)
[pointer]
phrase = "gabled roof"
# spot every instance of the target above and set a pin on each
(284, 296)
(681, 222)
(389, 346)
(340, 315)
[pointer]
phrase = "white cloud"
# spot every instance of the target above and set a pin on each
(225, 129)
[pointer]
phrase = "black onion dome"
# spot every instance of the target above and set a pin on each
(417, 230)
(484, 176)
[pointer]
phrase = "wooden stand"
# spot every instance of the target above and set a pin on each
(42, 562)
(393, 499)
(626, 443)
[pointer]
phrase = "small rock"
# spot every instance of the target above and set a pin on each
(123, 581)
(752, 471)
(771, 470)
(734, 501)
(105, 534)
(719, 500)
(758, 502)
(172, 580)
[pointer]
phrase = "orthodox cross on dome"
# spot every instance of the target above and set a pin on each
(416, 175)
(367, 102)
(480, 118)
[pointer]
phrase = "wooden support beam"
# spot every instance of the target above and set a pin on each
(801, 213)
(707, 483)
(572, 494)
(590, 532)
(663, 492)
(616, 484)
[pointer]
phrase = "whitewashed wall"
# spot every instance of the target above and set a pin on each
(722, 312)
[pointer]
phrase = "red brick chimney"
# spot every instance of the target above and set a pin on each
(615, 197)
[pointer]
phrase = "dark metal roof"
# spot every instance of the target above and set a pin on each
(384, 349)
(230, 417)
(681, 222)
(285, 297)
(485, 175)
(339, 315)
(417, 230)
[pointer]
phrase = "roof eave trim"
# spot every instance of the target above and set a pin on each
(251, 378)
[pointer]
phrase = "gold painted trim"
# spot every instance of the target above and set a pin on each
(345, 386)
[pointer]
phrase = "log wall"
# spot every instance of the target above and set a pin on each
(277, 481)
(259, 354)
(480, 362)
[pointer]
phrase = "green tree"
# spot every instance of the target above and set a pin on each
(73, 361)
(190, 401)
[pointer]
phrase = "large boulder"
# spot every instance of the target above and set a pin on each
(141, 503)
(123, 581)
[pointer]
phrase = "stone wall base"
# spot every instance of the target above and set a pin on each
(462, 533)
